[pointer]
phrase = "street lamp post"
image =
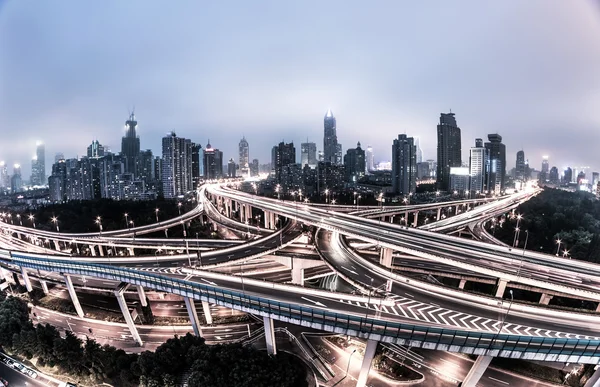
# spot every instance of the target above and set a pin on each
(326, 195)
(126, 220)
(55, 221)
(179, 208)
(349, 358)
(98, 221)
(558, 241)
(156, 212)
(20, 221)
(32, 219)
(156, 255)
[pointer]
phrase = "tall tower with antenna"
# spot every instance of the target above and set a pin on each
(130, 145)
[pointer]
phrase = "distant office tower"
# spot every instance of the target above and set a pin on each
(38, 165)
(496, 168)
(338, 154)
(130, 145)
(320, 156)
(213, 162)
(459, 179)
(520, 166)
(4, 177)
(284, 155)
(59, 156)
(177, 165)
(370, 159)
(419, 151)
(553, 176)
(478, 159)
(34, 179)
(354, 164)
(231, 168)
(244, 158)
(545, 164)
(432, 168)
(568, 175)
(308, 154)
(595, 179)
(145, 167)
(16, 183)
(423, 172)
(254, 168)
(197, 164)
(329, 176)
(404, 165)
(448, 149)
(330, 143)
(95, 150)
(57, 181)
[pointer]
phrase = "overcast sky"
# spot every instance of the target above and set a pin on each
(70, 71)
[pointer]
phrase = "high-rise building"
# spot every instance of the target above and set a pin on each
(419, 151)
(254, 168)
(370, 159)
(95, 150)
(423, 172)
(330, 143)
(130, 145)
(284, 154)
(58, 156)
(459, 179)
(4, 177)
(568, 175)
(553, 176)
(177, 165)
(213, 162)
(595, 178)
(145, 168)
(197, 164)
(448, 149)
(16, 182)
(244, 158)
(520, 166)
(404, 165)
(308, 154)
(338, 154)
(478, 159)
(231, 168)
(354, 164)
(38, 165)
(496, 168)
(545, 164)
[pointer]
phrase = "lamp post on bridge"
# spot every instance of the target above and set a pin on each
(98, 221)
(558, 241)
(32, 219)
(54, 220)
(126, 220)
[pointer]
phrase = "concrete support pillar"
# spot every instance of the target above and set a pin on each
(392, 219)
(366, 364)
(266, 219)
(439, 213)
(44, 286)
(191, 309)
(206, 310)
(385, 257)
(93, 250)
(73, 295)
(416, 221)
(270, 336)
(26, 279)
(101, 250)
(248, 212)
(127, 315)
(477, 370)
(545, 298)
(406, 218)
(594, 381)
(598, 307)
(298, 276)
(273, 220)
(462, 283)
(131, 251)
(56, 245)
(501, 287)
(142, 295)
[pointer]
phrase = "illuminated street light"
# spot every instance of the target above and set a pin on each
(326, 195)
(54, 220)
(156, 212)
(20, 221)
(179, 208)
(558, 241)
(126, 220)
(98, 221)
(32, 219)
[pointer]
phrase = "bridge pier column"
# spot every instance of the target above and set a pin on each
(545, 298)
(248, 212)
(125, 310)
(131, 251)
(598, 307)
(142, 295)
(366, 364)
(416, 221)
(206, 310)
(462, 283)
(266, 218)
(73, 295)
(270, 336)
(476, 371)
(385, 257)
(501, 287)
(56, 245)
(392, 219)
(298, 275)
(93, 250)
(26, 279)
(272, 220)
(44, 286)
(439, 213)
(193, 315)
(405, 218)
(101, 250)
(594, 381)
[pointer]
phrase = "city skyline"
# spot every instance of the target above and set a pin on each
(52, 92)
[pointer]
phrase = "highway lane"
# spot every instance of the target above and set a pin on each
(17, 379)
(420, 305)
(472, 255)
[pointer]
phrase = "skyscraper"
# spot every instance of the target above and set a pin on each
(244, 159)
(330, 143)
(4, 177)
(176, 166)
(59, 156)
(568, 175)
(197, 164)
(16, 183)
(354, 164)
(370, 159)
(213, 162)
(478, 158)
(284, 155)
(448, 149)
(520, 166)
(308, 154)
(419, 151)
(38, 165)
(130, 145)
(404, 165)
(95, 149)
(545, 164)
(496, 168)
(231, 168)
